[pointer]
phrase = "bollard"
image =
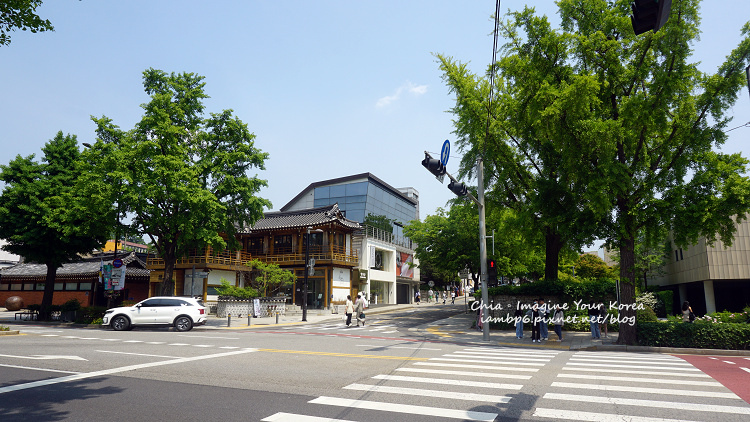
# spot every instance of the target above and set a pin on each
(249, 321)
(277, 317)
(229, 320)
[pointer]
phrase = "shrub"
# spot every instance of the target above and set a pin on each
(89, 314)
(34, 308)
(229, 292)
(645, 315)
(4, 328)
(730, 336)
(71, 306)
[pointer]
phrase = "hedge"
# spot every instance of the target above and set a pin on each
(695, 335)
(575, 289)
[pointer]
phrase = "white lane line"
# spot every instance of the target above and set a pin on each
(745, 369)
(89, 338)
(198, 336)
(229, 347)
(389, 332)
(611, 365)
(494, 367)
(109, 339)
(178, 344)
(573, 415)
(624, 361)
(406, 408)
(441, 381)
(50, 335)
(138, 354)
(104, 372)
(540, 362)
(292, 417)
(634, 380)
(506, 355)
(604, 355)
(395, 347)
(133, 341)
(38, 369)
(740, 410)
(625, 371)
(465, 373)
(448, 359)
(504, 350)
(668, 391)
(730, 362)
(155, 342)
(428, 393)
(203, 345)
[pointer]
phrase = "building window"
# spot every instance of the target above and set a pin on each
(282, 244)
(255, 245)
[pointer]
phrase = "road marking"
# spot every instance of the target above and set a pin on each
(394, 347)
(558, 414)
(745, 369)
(291, 417)
(45, 357)
(745, 410)
(138, 354)
(345, 355)
(610, 365)
(86, 375)
(428, 393)
(155, 342)
(389, 332)
(499, 368)
(670, 391)
(625, 371)
(511, 350)
(442, 381)
(178, 344)
(229, 347)
(133, 341)
(658, 363)
(730, 362)
(89, 338)
(464, 373)
(38, 369)
(406, 408)
(508, 355)
(109, 339)
(50, 335)
(636, 380)
(449, 358)
(203, 345)
(220, 338)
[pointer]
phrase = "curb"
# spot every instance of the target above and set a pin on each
(9, 333)
(668, 350)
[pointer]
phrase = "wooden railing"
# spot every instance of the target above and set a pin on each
(239, 258)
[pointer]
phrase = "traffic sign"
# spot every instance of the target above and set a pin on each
(196, 275)
(117, 263)
(445, 152)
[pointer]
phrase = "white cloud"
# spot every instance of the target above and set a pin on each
(408, 87)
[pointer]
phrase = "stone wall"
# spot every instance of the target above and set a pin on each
(241, 307)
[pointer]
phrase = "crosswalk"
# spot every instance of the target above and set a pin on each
(373, 328)
(484, 384)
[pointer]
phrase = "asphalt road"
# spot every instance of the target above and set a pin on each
(327, 372)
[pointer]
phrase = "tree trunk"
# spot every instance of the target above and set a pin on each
(628, 331)
(553, 245)
(49, 291)
(167, 285)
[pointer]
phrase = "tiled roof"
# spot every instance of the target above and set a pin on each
(312, 217)
(89, 266)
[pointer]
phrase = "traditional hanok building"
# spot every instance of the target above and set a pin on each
(279, 238)
(76, 280)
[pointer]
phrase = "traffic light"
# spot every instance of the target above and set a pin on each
(458, 188)
(491, 272)
(433, 165)
(649, 14)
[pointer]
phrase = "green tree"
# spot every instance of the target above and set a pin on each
(43, 216)
(632, 122)
(269, 278)
(20, 14)
(591, 266)
(181, 176)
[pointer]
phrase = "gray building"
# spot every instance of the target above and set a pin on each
(712, 278)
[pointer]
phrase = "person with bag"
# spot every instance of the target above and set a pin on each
(594, 321)
(558, 318)
(687, 312)
(349, 310)
(359, 309)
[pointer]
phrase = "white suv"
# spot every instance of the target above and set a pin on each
(181, 312)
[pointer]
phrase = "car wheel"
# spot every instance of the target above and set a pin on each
(183, 323)
(120, 323)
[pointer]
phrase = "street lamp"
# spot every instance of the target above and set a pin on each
(307, 270)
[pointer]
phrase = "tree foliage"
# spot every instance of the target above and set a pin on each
(269, 278)
(21, 14)
(182, 177)
(44, 217)
(379, 221)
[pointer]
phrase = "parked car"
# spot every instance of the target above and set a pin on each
(181, 312)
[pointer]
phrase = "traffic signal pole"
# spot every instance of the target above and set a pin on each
(484, 308)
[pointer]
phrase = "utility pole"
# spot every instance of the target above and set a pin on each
(483, 251)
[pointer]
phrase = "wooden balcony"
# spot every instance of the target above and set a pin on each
(239, 260)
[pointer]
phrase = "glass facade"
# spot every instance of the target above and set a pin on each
(362, 198)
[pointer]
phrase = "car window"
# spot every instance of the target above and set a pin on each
(172, 302)
(151, 302)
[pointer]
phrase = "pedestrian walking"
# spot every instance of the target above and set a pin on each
(429, 296)
(349, 310)
(453, 297)
(445, 296)
(603, 317)
(544, 313)
(687, 312)
(519, 321)
(558, 319)
(535, 320)
(416, 297)
(359, 309)
(594, 321)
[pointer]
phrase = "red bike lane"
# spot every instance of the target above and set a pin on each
(732, 372)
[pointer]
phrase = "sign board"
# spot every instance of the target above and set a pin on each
(430, 283)
(114, 278)
(196, 275)
(445, 152)
(117, 263)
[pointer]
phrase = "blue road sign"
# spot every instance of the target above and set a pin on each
(445, 152)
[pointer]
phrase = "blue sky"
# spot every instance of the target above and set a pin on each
(330, 87)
